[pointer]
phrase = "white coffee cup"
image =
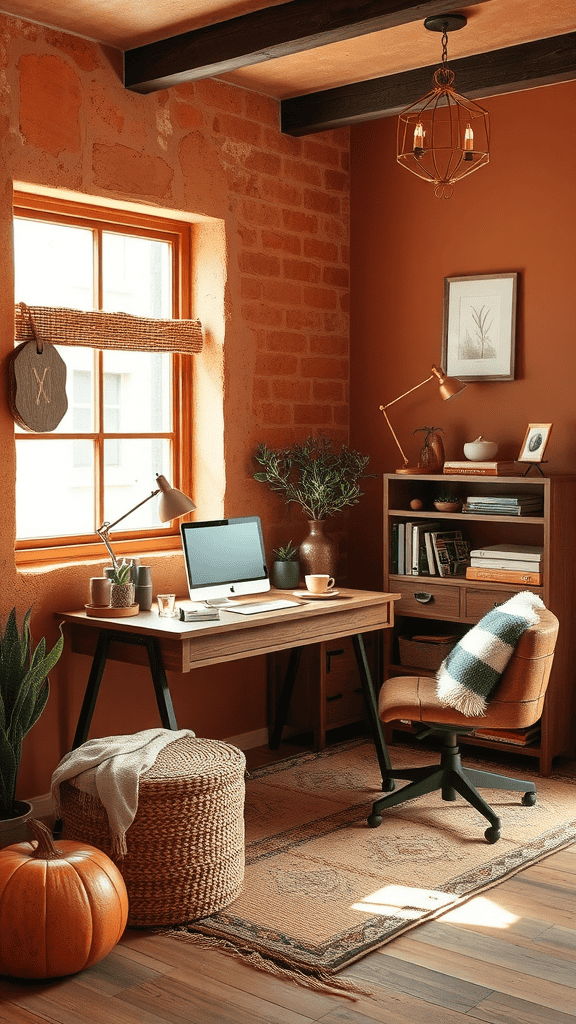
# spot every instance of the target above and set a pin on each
(318, 584)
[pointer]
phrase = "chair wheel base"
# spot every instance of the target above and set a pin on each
(374, 820)
(492, 835)
(529, 799)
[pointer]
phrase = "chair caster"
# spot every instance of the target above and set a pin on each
(374, 820)
(529, 799)
(492, 834)
(388, 785)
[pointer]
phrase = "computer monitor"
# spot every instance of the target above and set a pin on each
(224, 559)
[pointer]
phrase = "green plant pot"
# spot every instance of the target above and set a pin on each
(285, 575)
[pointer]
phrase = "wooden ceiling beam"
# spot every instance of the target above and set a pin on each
(511, 69)
(264, 35)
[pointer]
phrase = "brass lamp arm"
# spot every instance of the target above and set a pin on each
(393, 402)
(104, 530)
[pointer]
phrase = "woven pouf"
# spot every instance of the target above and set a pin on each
(185, 856)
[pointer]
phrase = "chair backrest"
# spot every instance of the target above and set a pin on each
(519, 698)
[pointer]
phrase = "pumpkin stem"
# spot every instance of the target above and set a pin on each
(45, 848)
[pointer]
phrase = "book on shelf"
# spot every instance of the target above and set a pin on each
(509, 564)
(502, 506)
(474, 572)
(394, 548)
(520, 737)
(520, 552)
(509, 500)
(452, 552)
(420, 563)
(401, 548)
(510, 468)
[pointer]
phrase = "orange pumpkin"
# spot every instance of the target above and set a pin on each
(62, 907)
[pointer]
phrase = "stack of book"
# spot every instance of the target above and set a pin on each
(467, 468)
(519, 737)
(504, 504)
(424, 549)
(507, 563)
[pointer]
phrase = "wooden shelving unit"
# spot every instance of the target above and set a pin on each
(460, 601)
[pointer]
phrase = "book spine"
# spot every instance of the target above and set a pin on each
(401, 535)
(508, 564)
(503, 575)
(394, 548)
(460, 471)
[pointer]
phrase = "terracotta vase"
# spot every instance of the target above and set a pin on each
(318, 553)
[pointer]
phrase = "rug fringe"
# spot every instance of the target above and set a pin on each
(320, 981)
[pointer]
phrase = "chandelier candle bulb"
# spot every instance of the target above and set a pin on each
(419, 139)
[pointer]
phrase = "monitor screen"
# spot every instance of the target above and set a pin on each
(224, 558)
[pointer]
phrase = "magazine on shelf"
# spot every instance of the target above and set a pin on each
(452, 552)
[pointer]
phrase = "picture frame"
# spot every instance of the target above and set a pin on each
(479, 327)
(534, 444)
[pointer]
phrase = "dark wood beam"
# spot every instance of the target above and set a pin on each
(263, 35)
(511, 69)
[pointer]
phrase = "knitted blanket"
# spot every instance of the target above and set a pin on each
(109, 769)
(471, 672)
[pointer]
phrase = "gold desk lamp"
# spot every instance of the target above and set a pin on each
(448, 387)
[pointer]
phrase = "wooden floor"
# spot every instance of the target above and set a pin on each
(506, 956)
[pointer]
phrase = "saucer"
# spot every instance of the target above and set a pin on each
(316, 597)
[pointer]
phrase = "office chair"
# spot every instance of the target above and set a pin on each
(516, 704)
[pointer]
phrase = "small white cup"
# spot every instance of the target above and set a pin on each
(166, 604)
(100, 591)
(318, 584)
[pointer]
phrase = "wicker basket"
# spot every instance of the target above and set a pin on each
(185, 855)
(421, 654)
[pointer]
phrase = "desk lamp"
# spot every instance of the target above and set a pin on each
(172, 505)
(448, 386)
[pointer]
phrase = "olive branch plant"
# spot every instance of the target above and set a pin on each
(312, 473)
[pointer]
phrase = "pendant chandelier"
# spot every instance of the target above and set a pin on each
(443, 136)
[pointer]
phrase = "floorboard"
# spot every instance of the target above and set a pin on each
(507, 956)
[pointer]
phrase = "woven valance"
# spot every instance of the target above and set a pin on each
(95, 329)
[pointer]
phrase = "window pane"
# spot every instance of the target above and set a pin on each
(137, 392)
(136, 275)
(54, 496)
(53, 264)
(132, 479)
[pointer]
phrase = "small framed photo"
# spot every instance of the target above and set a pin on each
(479, 327)
(534, 444)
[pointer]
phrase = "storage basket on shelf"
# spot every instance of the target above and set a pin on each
(425, 653)
(185, 856)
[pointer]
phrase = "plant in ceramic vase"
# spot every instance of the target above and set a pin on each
(446, 501)
(122, 589)
(24, 689)
(285, 568)
(323, 481)
(431, 455)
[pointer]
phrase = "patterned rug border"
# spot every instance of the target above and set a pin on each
(250, 941)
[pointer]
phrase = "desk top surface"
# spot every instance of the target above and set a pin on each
(151, 624)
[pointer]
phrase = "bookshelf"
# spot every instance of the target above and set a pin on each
(453, 604)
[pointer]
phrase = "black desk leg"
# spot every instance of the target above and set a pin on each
(285, 698)
(372, 708)
(163, 698)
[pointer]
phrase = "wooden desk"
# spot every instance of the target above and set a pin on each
(183, 646)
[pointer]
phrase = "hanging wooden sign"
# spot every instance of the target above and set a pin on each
(37, 386)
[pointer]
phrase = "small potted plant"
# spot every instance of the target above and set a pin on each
(24, 690)
(122, 589)
(445, 501)
(285, 567)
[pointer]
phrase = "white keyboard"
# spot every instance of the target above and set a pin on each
(253, 607)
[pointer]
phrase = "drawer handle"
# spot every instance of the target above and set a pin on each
(335, 696)
(423, 597)
(332, 654)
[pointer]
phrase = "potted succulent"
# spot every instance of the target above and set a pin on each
(24, 689)
(323, 481)
(122, 589)
(445, 501)
(285, 568)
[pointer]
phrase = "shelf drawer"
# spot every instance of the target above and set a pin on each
(480, 602)
(431, 600)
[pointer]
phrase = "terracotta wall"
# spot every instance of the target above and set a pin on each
(270, 284)
(518, 214)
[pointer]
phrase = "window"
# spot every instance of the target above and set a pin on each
(127, 417)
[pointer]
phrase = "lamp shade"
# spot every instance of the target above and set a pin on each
(449, 386)
(172, 503)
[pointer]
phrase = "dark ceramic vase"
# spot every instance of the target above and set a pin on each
(318, 553)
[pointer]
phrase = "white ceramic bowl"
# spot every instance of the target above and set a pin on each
(480, 450)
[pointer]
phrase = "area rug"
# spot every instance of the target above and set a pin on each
(323, 889)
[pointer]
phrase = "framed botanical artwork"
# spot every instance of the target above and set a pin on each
(479, 327)
(534, 444)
